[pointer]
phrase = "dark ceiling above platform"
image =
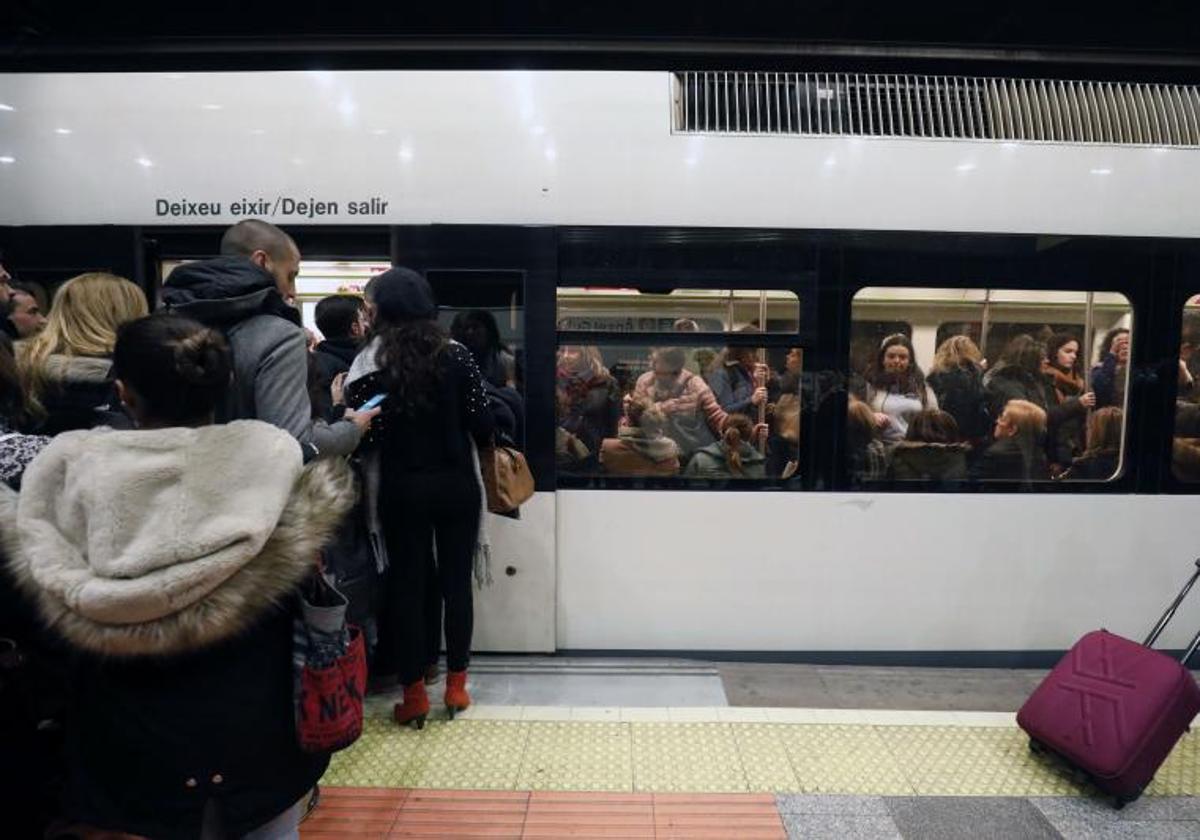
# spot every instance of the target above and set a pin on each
(44, 34)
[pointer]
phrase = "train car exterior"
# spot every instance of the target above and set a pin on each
(598, 209)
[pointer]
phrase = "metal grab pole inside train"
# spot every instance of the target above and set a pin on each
(761, 381)
(1085, 351)
(985, 324)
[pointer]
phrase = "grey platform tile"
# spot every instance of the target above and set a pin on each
(596, 690)
(1162, 808)
(1088, 818)
(797, 686)
(826, 803)
(976, 817)
(854, 687)
(925, 689)
(840, 826)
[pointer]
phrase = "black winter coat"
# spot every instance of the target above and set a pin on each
(1009, 460)
(154, 737)
(331, 357)
(914, 460)
(151, 741)
(960, 393)
(1011, 383)
(79, 394)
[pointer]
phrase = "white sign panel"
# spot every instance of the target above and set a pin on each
(525, 148)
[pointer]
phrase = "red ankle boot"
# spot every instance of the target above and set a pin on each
(457, 698)
(415, 708)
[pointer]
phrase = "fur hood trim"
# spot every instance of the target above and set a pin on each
(82, 370)
(320, 496)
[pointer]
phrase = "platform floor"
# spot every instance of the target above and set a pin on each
(568, 762)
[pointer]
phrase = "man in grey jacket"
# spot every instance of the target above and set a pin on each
(247, 293)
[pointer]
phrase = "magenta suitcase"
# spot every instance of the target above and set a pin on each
(1114, 709)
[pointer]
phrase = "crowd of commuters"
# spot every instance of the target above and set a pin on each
(1030, 417)
(699, 414)
(169, 480)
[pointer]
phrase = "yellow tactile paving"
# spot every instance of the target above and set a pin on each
(720, 757)
(686, 758)
(841, 758)
(578, 756)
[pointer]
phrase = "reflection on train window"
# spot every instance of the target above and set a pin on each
(679, 310)
(690, 411)
(484, 310)
(1185, 452)
(1046, 401)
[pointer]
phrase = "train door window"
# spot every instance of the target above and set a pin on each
(1185, 450)
(1046, 402)
(318, 279)
(686, 392)
(485, 310)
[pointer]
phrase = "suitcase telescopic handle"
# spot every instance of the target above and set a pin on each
(1170, 613)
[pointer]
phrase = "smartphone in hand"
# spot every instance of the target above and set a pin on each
(371, 403)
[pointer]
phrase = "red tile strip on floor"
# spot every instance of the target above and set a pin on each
(384, 813)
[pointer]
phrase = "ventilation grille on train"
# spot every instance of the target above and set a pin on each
(950, 107)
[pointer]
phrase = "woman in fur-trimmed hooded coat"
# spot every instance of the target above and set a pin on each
(167, 559)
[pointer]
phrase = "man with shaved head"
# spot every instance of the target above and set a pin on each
(269, 248)
(248, 293)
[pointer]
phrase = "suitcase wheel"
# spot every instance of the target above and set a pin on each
(1036, 747)
(1120, 802)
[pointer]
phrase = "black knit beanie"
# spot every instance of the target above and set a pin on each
(401, 294)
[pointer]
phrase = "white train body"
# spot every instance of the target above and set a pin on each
(661, 569)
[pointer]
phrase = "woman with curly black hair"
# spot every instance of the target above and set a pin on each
(435, 408)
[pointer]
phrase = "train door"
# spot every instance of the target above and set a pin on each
(495, 285)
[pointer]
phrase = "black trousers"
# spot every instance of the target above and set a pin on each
(420, 512)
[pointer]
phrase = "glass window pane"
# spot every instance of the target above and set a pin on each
(679, 310)
(1185, 452)
(1044, 399)
(690, 411)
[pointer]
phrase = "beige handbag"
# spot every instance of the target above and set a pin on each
(506, 478)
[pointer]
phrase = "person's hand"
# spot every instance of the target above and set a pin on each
(362, 419)
(759, 396)
(1088, 400)
(1185, 376)
(882, 420)
(337, 389)
(761, 430)
(790, 468)
(761, 372)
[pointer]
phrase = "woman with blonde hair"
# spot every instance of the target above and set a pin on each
(66, 370)
(957, 379)
(1018, 452)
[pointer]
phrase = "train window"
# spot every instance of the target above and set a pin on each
(485, 311)
(691, 411)
(317, 279)
(677, 310)
(1045, 402)
(1185, 452)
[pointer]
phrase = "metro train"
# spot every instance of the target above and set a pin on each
(815, 212)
